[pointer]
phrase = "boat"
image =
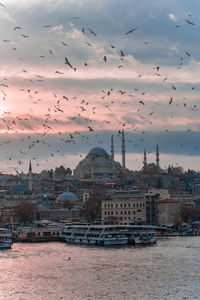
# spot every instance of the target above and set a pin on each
(94, 235)
(39, 232)
(107, 235)
(141, 234)
(5, 238)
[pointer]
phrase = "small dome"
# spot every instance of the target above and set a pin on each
(69, 176)
(67, 196)
(98, 152)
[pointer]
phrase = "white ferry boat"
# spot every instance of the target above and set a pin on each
(5, 239)
(109, 234)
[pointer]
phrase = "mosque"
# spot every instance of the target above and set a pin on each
(99, 164)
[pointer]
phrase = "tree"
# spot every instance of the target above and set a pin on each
(61, 172)
(188, 213)
(25, 212)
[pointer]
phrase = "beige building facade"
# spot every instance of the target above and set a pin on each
(124, 207)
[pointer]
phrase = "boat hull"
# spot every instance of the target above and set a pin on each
(6, 244)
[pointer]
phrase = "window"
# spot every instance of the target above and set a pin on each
(116, 213)
(121, 212)
(116, 205)
(129, 205)
(111, 213)
(125, 212)
(124, 204)
(111, 205)
(105, 213)
(108, 213)
(129, 212)
(108, 205)
(105, 205)
(120, 204)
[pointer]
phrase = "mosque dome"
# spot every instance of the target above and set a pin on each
(19, 189)
(97, 152)
(44, 174)
(67, 196)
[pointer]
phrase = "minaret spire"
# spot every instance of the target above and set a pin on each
(145, 159)
(157, 157)
(123, 151)
(30, 178)
(30, 167)
(112, 148)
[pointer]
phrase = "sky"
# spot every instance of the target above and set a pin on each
(75, 72)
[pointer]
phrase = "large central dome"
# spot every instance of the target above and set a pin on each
(96, 164)
(97, 152)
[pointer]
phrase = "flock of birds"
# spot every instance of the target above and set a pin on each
(86, 112)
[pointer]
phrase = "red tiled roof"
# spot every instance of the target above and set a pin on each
(169, 201)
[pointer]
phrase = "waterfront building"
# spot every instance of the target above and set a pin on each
(123, 207)
(151, 200)
(184, 197)
(7, 216)
(168, 211)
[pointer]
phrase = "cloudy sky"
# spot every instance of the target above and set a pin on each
(74, 72)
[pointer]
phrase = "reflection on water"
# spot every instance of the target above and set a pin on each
(168, 270)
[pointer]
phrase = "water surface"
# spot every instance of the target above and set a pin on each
(168, 270)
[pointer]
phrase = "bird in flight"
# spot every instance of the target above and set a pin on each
(64, 44)
(68, 63)
(130, 31)
(92, 31)
(189, 22)
(90, 128)
(89, 44)
(141, 102)
(17, 27)
(2, 4)
(170, 101)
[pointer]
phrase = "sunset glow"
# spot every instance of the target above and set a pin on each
(72, 73)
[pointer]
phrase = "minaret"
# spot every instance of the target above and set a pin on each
(145, 160)
(112, 148)
(157, 157)
(123, 151)
(30, 178)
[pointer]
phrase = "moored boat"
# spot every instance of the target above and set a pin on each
(5, 239)
(40, 232)
(109, 234)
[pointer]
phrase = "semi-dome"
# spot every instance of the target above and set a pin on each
(98, 152)
(67, 196)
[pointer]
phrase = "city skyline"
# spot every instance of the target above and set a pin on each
(73, 73)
